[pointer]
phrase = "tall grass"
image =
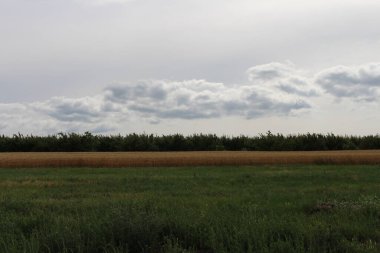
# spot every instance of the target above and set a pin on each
(246, 209)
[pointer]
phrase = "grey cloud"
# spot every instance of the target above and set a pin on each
(234, 107)
(283, 77)
(42, 117)
(294, 90)
(187, 114)
(165, 99)
(16, 117)
(103, 128)
(143, 109)
(141, 90)
(260, 106)
(361, 83)
(270, 71)
(86, 109)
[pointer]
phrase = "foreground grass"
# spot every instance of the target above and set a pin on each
(214, 209)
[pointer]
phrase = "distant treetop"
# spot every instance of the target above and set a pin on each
(73, 142)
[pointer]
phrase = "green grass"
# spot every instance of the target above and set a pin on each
(214, 209)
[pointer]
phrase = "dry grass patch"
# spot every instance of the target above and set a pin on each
(159, 159)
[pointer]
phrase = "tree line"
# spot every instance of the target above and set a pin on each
(70, 142)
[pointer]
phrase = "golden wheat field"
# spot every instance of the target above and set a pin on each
(156, 159)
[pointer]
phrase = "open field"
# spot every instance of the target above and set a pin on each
(320, 208)
(216, 158)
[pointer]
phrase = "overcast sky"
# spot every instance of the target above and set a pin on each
(188, 66)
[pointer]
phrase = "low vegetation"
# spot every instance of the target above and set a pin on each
(199, 142)
(215, 209)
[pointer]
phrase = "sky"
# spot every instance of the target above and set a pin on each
(228, 67)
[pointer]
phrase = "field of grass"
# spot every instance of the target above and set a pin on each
(320, 208)
(206, 158)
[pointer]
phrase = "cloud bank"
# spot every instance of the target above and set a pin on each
(200, 99)
(271, 90)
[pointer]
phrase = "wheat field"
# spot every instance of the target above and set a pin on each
(158, 159)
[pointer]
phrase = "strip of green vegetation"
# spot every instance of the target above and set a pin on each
(178, 142)
(220, 209)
